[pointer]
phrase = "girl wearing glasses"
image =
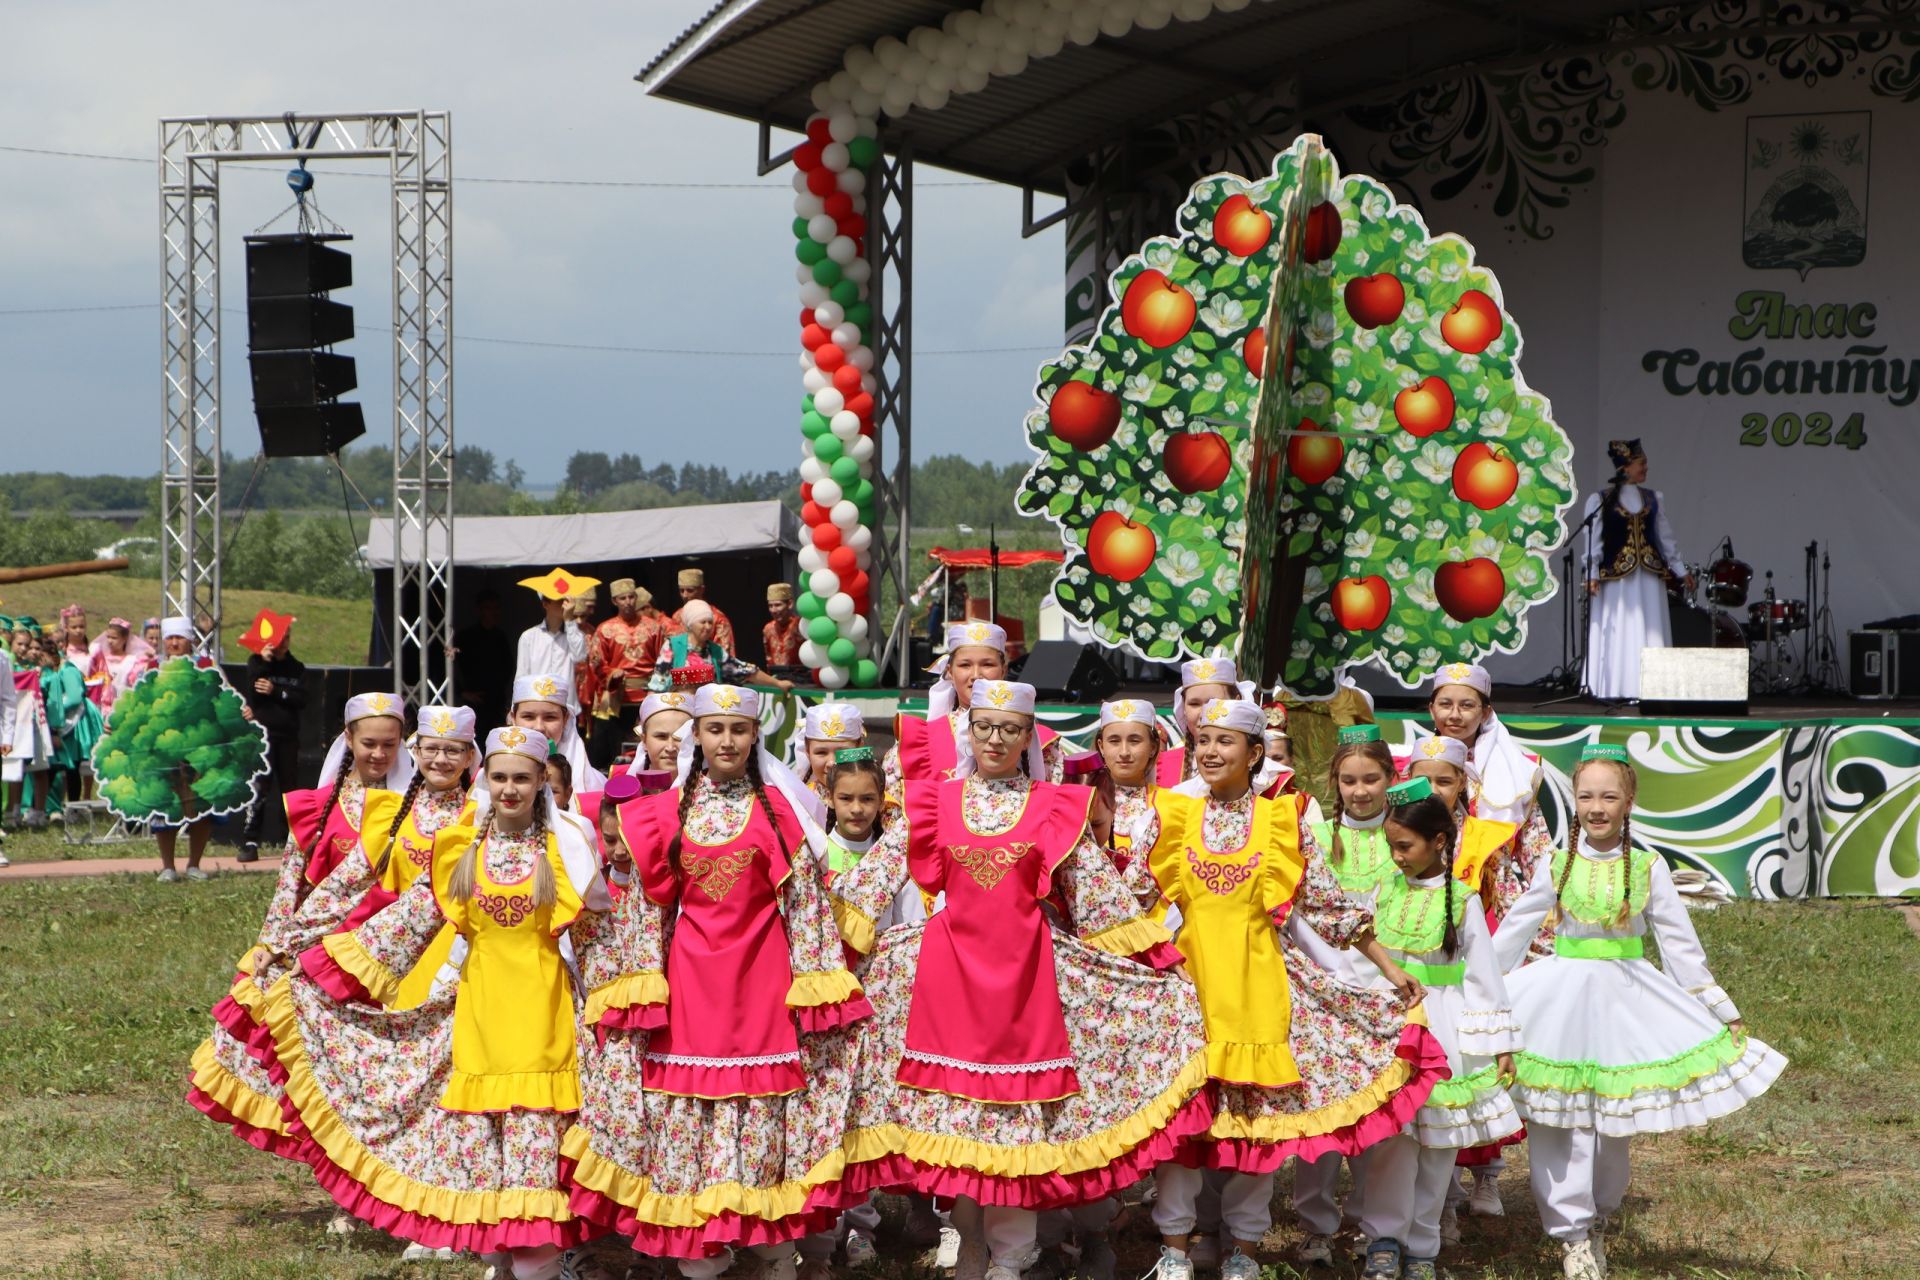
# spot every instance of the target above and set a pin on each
(1012, 1063)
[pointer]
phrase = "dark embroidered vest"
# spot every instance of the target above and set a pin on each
(1626, 541)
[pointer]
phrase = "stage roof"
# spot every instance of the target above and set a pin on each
(546, 541)
(759, 59)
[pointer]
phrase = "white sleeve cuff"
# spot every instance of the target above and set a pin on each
(1717, 1002)
(1487, 1033)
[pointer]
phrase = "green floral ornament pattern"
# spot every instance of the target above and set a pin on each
(1390, 510)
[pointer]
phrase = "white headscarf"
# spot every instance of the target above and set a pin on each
(1508, 777)
(943, 698)
(558, 689)
(732, 700)
(1001, 695)
(364, 706)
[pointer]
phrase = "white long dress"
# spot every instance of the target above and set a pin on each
(1630, 613)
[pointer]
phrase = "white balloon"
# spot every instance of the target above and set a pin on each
(865, 101)
(822, 96)
(846, 336)
(852, 181)
(980, 59)
(925, 41)
(826, 491)
(862, 359)
(939, 77)
(991, 33)
(858, 58)
(811, 558)
(952, 54)
(874, 79)
(867, 383)
(861, 450)
(839, 606)
(1230, 6)
(806, 360)
(803, 275)
(1047, 43)
(1153, 17)
(823, 582)
(1019, 40)
(896, 101)
(827, 402)
(859, 270)
(832, 677)
(842, 86)
(808, 205)
(813, 293)
(932, 99)
(859, 539)
(845, 514)
(799, 180)
(869, 124)
(1011, 62)
(814, 380)
(1117, 21)
(972, 80)
(829, 315)
(812, 470)
(821, 228)
(912, 71)
(842, 249)
(1083, 25)
(1192, 10)
(812, 655)
(835, 156)
(890, 52)
(846, 425)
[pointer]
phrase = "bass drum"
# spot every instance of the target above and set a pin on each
(1727, 582)
(1696, 628)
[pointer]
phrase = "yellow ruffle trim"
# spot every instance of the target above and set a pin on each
(768, 1204)
(1267, 1065)
(649, 986)
(247, 994)
(856, 926)
(1096, 1150)
(1311, 1124)
(244, 965)
(828, 986)
(1129, 938)
(227, 1089)
(349, 954)
(512, 1091)
(381, 1180)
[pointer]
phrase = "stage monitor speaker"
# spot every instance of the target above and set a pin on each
(1694, 682)
(308, 431)
(1063, 669)
(1882, 665)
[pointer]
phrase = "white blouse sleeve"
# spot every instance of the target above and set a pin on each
(1524, 918)
(1663, 533)
(1590, 544)
(1485, 1026)
(1681, 955)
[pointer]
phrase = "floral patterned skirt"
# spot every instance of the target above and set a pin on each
(689, 1177)
(232, 1078)
(1138, 1041)
(1365, 1071)
(363, 1087)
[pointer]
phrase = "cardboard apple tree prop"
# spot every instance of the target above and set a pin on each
(179, 727)
(1425, 515)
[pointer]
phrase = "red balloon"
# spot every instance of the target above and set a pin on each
(822, 182)
(843, 560)
(862, 405)
(866, 429)
(806, 316)
(852, 225)
(814, 514)
(813, 337)
(839, 205)
(826, 536)
(846, 380)
(827, 357)
(806, 494)
(807, 155)
(856, 586)
(862, 605)
(819, 130)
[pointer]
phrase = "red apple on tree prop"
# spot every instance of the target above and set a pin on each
(1322, 232)
(1253, 349)
(1083, 415)
(1375, 300)
(1239, 228)
(1469, 589)
(1314, 458)
(1425, 407)
(1484, 476)
(1472, 323)
(1156, 310)
(1197, 461)
(1118, 548)
(1361, 604)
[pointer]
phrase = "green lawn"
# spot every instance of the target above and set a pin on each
(106, 1172)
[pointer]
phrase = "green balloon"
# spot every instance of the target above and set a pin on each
(860, 313)
(828, 448)
(845, 471)
(840, 652)
(826, 271)
(846, 293)
(866, 673)
(800, 229)
(813, 424)
(863, 152)
(811, 252)
(810, 605)
(806, 403)
(823, 630)
(861, 493)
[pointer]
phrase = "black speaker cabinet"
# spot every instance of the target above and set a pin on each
(1063, 669)
(1883, 664)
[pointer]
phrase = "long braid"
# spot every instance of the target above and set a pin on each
(333, 798)
(766, 805)
(1560, 886)
(1337, 852)
(545, 892)
(695, 772)
(1626, 870)
(399, 820)
(1451, 939)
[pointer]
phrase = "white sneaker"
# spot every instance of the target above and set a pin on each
(1173, 1266)
(1485, 1200)
(1316, 1251)
(195, 873)
(1578, 1263)
(4, 860)
(1450, 1223)
(860, 1250)
(1239, 1266)
(341, 1223)
(168, 876)
(947, 1256)
(421, 1253)
(1204, 1252)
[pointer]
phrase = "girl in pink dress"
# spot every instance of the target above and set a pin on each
(1012, 1063)
(116, 659)
(714, 1115)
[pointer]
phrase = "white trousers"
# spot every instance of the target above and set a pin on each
(1093, 1219)
(1579, 1176)
(1406, 1188)
(1246, 1202)
(710, 1268)
(1315, 1200)
(1012, 1235)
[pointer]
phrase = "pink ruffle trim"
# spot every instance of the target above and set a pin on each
(1417, 1046)
(715, 1235)
(276, 1144)
(1048, 1084)
(1480, 1157)
(635, 1017)
(774, 1079)
(318, 964)
(233, 1017)
(1161, 955)
(816, 1019)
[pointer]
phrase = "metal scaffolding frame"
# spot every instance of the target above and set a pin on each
(890, 250)
(418, 146)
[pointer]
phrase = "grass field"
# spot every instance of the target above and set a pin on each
(106, 1173)
(330, 631)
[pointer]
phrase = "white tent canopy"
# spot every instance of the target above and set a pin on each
(545, 541)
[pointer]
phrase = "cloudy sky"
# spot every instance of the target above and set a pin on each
(705, 269)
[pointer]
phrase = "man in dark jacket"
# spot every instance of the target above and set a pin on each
(276, 689)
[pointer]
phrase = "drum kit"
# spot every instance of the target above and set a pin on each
(1710, 616)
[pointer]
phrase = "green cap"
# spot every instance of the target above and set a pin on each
(1604, 751)
(852, 755)
(25, 623)
(1354, 735)
(6, 623)
(1409, 791)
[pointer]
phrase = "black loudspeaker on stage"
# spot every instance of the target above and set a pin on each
(291, 323)
(1063, 669)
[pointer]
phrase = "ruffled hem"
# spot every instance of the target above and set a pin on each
(225, 1099)
(512, 1091)
(1482, 1156)
(284, 1145)
(828, 986)
(818, 1019)
(1348, 1126)
(1657, 1110)
(624, 993)
(645, 1017)
(856, 926)
(1130, 937)
(342, 967)
(1486, 1120)
(1161, 955)
(1626, 1080)
(1265, 1066)
(1001, 1085)
(434, 1233)
(690, 1080)
(234, 1018)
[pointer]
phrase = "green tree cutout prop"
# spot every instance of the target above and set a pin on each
(1426, 523)
(179, 724)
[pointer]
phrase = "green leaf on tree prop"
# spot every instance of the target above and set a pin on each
(179, 726)
(1388, 508)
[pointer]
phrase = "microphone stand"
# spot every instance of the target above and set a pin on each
(1576, 672)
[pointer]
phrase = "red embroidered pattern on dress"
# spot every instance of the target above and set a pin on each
(1221, 878)
(715, 874)
(418, 854)
(989, 867)
(506, 909)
